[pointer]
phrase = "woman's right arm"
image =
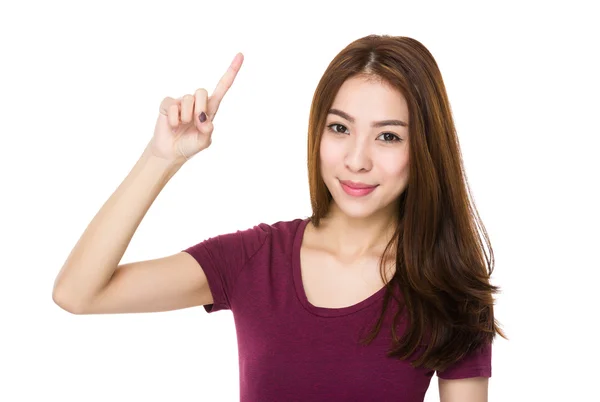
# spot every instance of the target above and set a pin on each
(91, 280)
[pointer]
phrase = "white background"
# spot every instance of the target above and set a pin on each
(81, 83)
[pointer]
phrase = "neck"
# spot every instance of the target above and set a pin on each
(353, 238)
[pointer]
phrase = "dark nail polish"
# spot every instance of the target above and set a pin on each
(202, 117)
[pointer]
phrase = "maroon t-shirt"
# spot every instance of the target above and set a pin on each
(291, 350)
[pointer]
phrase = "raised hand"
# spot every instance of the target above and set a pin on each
(184, 126)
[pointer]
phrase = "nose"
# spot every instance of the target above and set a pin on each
(358, 156)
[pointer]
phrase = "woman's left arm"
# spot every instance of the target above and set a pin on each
(474, 389)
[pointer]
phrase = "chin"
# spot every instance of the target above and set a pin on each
(356, 210)
(364, 214)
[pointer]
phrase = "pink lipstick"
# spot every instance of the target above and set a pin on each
(357, 189)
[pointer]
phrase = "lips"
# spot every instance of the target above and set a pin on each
(356, 184)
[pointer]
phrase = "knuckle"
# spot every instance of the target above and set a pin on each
(201, 91)
(166, 102)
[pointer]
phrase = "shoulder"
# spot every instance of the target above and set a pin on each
(262, 234)
(280, 234)
(280, 237)
(285, 228)
(256, 234)
(277, 228)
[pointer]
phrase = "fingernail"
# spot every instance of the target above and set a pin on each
(202, 117)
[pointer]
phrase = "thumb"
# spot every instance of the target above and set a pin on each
(206, 128)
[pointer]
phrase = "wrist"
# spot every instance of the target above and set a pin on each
(168, 166)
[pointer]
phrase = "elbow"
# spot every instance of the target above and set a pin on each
(62, 301)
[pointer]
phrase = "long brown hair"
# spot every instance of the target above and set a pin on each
(442, 268)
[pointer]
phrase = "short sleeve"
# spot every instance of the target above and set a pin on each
(223, 257)
(476, 364)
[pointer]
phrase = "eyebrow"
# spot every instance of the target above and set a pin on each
(374, 124)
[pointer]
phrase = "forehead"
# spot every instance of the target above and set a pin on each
(370, 99)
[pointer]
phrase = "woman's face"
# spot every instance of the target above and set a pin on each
(355, 147)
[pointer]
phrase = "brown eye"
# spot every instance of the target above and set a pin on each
(331, 128)
(390, 137)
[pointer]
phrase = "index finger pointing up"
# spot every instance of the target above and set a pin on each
(224, 84)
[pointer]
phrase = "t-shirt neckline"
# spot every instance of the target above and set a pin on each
(299, 287)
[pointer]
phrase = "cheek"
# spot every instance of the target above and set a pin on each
(395, 167)
(329, 153)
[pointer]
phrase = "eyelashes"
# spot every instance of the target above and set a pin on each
(394, 137)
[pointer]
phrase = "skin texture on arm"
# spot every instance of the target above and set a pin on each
(464, 390)
(92, 278)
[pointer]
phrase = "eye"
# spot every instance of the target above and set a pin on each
(391, 137)
(331, 128)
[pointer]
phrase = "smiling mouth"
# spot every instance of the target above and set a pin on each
(357, 191)
(357, 185)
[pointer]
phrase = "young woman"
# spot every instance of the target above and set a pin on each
(385, 284)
